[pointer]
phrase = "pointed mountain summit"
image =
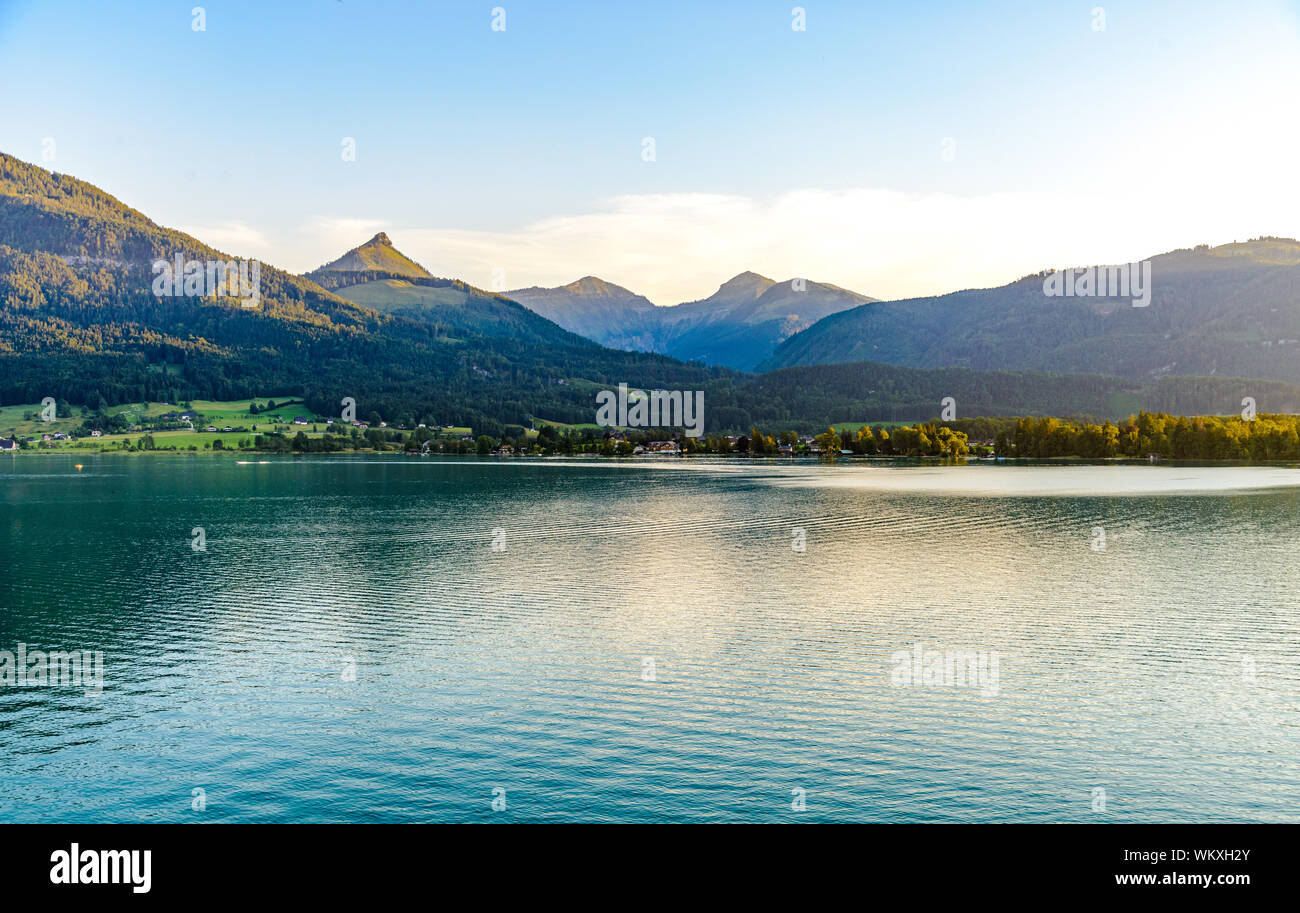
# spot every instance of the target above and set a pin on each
(376, 254)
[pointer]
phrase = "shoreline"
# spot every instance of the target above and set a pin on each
(262, 456)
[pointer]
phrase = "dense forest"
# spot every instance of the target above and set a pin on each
(1141, 436)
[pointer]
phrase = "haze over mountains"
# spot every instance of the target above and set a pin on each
(79, 322)
(739, 325)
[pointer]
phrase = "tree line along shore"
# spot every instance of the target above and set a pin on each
(1263, 437)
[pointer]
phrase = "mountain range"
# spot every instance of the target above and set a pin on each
(739, 325)
(1232, 310)
(79, 321)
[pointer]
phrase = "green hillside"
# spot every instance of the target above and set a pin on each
(865, 391)
(395, 296)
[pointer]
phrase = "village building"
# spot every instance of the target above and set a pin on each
(663, 447)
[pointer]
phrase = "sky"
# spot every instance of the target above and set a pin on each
(896, 149)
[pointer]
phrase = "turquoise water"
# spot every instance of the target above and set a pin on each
(1162, 669)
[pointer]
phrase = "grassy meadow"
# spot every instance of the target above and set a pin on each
(24, 420)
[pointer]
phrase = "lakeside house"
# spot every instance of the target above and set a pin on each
(662, 447)
(7, 444)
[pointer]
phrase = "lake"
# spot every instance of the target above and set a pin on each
(386, 638)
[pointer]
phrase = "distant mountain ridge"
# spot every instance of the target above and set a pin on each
(738, 326)
(598, 310)
(1232, 310)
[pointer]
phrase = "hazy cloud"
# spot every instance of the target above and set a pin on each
(680, 246)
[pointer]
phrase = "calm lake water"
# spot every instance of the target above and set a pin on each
(646, 643)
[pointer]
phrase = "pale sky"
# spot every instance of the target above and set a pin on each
(893, 151)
